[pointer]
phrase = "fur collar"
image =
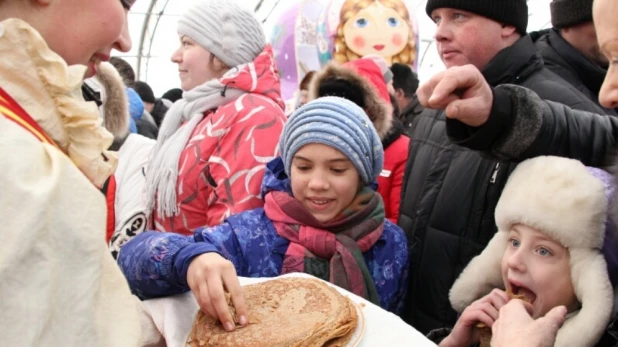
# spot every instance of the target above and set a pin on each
(115, 110)
(379, 111)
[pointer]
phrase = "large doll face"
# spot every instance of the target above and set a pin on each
(376, 30)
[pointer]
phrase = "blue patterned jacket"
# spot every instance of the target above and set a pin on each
(156, 264)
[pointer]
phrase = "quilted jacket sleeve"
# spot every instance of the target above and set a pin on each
(388, 263)
(156, 264)
(237, 168)
(523, 126)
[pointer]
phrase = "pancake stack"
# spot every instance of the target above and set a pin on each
(284, 312)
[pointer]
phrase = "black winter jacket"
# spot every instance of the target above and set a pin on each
(158, 112)
(567, 62)
(407, 115)
(450, 192)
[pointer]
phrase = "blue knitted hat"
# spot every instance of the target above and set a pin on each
(337, 123)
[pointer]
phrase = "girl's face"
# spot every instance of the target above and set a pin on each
(604, 12)
(86, 31)
(376, 30)
(196, 65)
(324, 180)
(539, 268)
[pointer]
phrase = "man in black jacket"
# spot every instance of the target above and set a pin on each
(450, 192)
(570, 49)
(405, 83)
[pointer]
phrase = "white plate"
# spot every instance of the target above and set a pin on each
(360, 327)
(173, 319)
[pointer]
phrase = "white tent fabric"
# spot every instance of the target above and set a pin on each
(153, 28)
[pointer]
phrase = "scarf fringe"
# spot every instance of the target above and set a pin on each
(162, 176)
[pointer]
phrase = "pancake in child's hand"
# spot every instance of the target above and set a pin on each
(486, 331)
(284, 312)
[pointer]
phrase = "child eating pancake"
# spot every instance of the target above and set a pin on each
(551, 220)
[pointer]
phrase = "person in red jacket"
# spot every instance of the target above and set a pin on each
(362, 81)
(214, 143)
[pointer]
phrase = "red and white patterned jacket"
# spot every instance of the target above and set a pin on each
(222, 166)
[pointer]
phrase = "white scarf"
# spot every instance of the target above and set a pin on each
(173, 137)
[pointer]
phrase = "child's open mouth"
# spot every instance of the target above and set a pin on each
(520, 291)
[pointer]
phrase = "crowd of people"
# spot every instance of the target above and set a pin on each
(485, 195)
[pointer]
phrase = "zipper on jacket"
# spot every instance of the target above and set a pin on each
(495, 174)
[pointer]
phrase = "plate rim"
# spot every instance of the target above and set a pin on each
(360, 327)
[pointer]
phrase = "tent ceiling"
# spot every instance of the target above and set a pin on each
(153, 28)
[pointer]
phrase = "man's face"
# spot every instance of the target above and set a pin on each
(149, 106)
(400, 96)
(466, 38)
(604, 12)
(584, 38)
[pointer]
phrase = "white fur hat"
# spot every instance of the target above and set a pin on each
(563, 199)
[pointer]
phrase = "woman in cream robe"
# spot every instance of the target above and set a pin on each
(59, 285)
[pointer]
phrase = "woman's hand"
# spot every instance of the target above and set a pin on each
(485, 310)
(209, 277)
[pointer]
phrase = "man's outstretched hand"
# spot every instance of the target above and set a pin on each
(516, 328)
(462, 92)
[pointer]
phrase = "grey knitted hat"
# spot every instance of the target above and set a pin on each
(568, 13)
(225, 29)
(337, 123)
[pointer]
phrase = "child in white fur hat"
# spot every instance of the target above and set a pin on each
(551, 221)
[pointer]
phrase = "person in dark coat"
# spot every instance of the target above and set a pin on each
(450, 191)
(142, 123)
(172, 95)
(405, 83)
(570, 49)
(156, 107)
(512, 123)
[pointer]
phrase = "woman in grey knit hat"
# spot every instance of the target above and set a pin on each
(214, 142)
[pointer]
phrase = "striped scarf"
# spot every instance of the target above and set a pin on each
(332, 251)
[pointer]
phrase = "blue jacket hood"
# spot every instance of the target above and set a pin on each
(275, 178)
(136, 106)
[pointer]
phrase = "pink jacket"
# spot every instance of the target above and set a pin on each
(221, 168)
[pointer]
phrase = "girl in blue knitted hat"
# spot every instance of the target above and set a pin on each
(320, 217)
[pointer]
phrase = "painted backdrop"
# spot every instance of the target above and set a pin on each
(308, 34)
